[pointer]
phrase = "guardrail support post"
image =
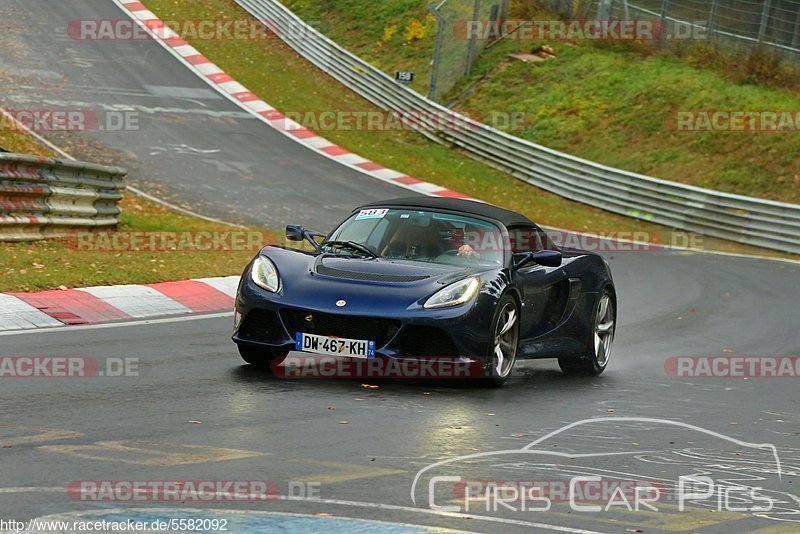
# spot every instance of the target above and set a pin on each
(437, 51)
(664, 10)
(476, 12)
(796, 34)
(712, 17)
(762, 31)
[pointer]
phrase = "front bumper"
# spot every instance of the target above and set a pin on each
(401, 331)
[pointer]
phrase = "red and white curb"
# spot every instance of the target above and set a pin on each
(240, 95)
(93, 305)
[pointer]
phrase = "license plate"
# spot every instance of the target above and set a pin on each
(334, 346)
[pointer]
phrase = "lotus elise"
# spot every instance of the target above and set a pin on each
(428, 278)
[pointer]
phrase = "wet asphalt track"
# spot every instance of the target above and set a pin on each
(253, 426)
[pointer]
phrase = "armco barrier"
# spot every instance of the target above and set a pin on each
(764, 223)
(45, 197)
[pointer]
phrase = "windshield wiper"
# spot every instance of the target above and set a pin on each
(352, 245)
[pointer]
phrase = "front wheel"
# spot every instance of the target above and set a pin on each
(504, 341)
(599, 351)
(256, 356)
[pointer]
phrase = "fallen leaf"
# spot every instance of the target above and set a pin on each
(610, 410)
(63, 288)
(727, 350)
(426, 392)
(344, 422)
(6, 446)
(369, 386)
(491, 414)
(323, 514)
(196, 422)
(332, 408)
(456, 427)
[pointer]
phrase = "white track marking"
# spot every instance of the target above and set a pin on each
(137, 301)
(17, 314)
(225, 284)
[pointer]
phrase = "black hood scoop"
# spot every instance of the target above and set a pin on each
(375, 270)
(368, 276)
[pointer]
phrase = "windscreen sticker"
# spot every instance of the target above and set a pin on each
(371, 214)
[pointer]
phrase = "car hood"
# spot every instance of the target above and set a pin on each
(310, 280)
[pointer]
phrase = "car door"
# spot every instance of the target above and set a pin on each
(544, 290)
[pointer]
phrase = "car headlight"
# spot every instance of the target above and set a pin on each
(456, 293)
(265, 274)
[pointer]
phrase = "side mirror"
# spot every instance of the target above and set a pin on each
(295, 232)
(548, 258)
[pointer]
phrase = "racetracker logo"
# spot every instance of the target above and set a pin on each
(176, 491)
(575, 30)
(230, 241)
(486, 241)
(404, 120)
(201, 29)
(68, 120)
(733, 366)
(768, 121)
(299, 365)
(66, 367)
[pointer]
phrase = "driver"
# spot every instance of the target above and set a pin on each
(414, 242)
(468, 252)
(457, 242)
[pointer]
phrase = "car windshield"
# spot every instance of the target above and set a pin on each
(411, 234)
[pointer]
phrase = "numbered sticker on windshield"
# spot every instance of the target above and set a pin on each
(371, 214)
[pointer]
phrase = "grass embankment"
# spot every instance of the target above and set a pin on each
(72, 263)
(608, 102)
(278, 75)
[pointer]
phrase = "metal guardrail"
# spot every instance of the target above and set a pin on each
(45, 197)
(764, 223)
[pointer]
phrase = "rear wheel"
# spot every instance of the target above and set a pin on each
(595, 361)
(504, 342)
(256, 356)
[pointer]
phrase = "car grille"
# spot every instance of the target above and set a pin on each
(344, 326)
(425, 341)
(369, 277)
(262, 325)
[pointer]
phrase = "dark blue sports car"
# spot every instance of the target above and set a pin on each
(429, 279)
